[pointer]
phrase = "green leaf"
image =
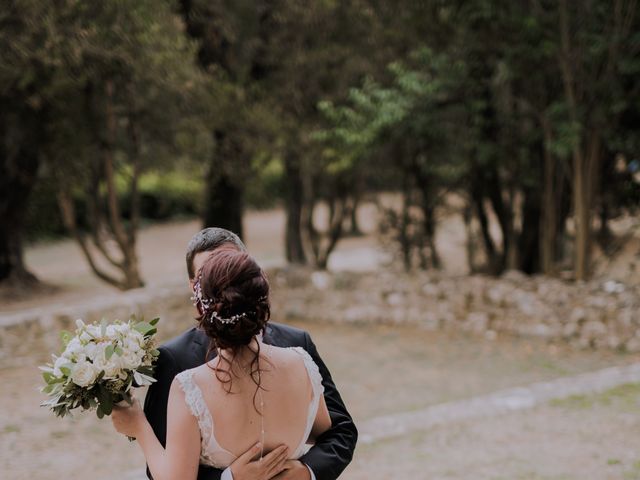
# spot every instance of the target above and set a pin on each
(48, 389)
(154, 321)
(48, 377)
(105, 399)
(66, 337)
(108, 352)
(145, 328)
(99, 412)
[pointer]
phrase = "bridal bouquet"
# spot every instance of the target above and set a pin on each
(99, 365)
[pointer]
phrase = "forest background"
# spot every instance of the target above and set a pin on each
(118, 113)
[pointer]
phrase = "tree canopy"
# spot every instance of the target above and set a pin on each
(526, 111)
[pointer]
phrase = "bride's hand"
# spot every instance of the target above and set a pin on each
(245, 468)
(128, 419)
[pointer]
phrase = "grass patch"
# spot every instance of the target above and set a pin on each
(11, 429)
(626, 397)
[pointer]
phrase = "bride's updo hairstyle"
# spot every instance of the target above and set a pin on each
(234, 302)
(231, 293)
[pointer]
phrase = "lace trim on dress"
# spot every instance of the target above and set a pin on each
(199, 409)
(318, 390)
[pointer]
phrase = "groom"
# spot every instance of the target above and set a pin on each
(332, 451)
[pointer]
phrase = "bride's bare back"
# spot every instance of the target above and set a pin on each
(287, 397)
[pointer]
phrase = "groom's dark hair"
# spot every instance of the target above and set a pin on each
(209, 239)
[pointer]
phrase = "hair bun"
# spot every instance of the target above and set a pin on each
(233, 295)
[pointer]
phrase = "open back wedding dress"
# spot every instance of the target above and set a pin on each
(211, 453)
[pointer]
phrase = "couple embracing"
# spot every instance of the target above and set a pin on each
(238, 397)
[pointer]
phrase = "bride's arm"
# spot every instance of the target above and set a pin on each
(322, 422)
(181, 457)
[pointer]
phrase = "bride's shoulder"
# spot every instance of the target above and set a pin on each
(191, 375)
(289, 356)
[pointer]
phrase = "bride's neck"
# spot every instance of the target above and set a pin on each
(244, 355)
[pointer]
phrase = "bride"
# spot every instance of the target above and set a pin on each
(252, 397)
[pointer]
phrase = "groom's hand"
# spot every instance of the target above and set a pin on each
(245, 468)
(293, 470)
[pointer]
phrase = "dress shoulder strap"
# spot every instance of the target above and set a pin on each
(318, 390)
(312, 370)
(195, 401)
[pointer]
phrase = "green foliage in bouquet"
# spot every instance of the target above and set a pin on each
(99, 365)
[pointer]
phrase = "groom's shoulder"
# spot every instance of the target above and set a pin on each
(179, 342)
(288, 334)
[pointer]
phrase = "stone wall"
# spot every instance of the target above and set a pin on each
(587, 315)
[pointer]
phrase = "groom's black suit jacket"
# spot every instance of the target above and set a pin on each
(332, 451)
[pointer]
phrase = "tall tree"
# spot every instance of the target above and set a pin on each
(115, 98)
(231, 37)
(26, 73)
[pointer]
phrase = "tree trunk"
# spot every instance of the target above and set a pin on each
(581, 218)
(19, 162)
(354, 227)
(467, 215)
(585, 167)
(548, 218)
(108, 237)
(505, 220)
(327, 241)
(294, 198)
(430, 232)
(528, 241)
(405, 221)
(428, 206)
(223, 204)
(494, 260)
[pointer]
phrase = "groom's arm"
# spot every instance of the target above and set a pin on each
(333, 449)
(155, 405)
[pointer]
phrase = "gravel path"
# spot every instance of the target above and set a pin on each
(559, 442)
(513, 399)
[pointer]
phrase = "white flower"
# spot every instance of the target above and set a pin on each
(111, 331)
(131, 345)
(110, 367)
(60, 361)
(84, 373)
(123, 328)
(74, 349)
(129, 360)
(93, 350)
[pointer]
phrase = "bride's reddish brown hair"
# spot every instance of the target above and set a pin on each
(234, 284)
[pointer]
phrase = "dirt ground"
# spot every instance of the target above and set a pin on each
(379, 370)
(594, 438)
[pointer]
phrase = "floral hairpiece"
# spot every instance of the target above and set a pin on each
(206, 306)
(199, 298)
